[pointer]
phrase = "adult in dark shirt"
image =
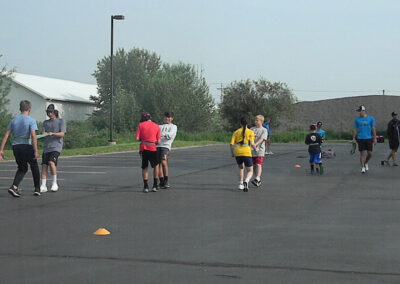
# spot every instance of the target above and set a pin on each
(314, 141)
(393, 132)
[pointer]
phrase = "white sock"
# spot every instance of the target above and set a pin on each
(258, 178)
(241, 182)
(54, 179)
(44, 182)
(247, 180)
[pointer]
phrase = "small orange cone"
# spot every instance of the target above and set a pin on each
(101, 232)
(297, 166)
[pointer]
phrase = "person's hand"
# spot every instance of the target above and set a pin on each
(354, 140)
(36, 155)
(1, 155)
(375, 141)
(51, 133)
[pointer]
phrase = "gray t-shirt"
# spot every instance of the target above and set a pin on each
(52, 143)
(263, 134)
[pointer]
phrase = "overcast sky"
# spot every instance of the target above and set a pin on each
(321, 49)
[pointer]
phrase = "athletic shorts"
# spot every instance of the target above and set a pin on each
(394, 145)
(315, 158)
(258, 160)
(149, 156)
(364, 144)
(50, 157)
(162, 154)
(248, 162)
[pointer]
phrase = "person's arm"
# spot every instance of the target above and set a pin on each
(374, 134)
(253, 145)
(355, 131)
(232, 147)
(138, 133)
(170, 134)
(34, 143)
(3, 144)
(62, 130)
(158, 137)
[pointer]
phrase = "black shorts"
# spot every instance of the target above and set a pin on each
(248, 161)
(149, 156)
(50, 157)
(364, 144)
(162, 154)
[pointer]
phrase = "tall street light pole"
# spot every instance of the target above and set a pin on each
(113, 17)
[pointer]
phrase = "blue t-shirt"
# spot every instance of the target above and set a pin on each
(21, 127)
(364, 126)
(321, 132)
(268, 129)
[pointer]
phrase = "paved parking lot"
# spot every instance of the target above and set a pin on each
(342, 227)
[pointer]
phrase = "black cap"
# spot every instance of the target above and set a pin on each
(145, 116)
(50, 108)
(361, 108)
(319, 123)
(313, 127)
(394, 113)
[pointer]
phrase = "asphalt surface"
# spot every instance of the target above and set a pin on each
(342, 227)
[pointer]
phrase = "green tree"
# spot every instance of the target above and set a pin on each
(143, 83)
(5, 86)
(249, 98)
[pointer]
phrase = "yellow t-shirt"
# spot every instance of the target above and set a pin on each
(242, 150)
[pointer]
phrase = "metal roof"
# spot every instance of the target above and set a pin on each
(56, 89)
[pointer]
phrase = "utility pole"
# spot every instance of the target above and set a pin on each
(383, 92)
(222, 90)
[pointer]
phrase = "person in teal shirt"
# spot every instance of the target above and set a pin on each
(320, 131)
(365, 134)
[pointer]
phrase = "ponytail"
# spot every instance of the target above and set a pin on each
(243, 122)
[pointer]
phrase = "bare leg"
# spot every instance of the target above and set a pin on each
(249, 173)
(258, 170)
(160, 171)
(369, 155)
(241, 172)
(145, 174)
(44, 171)
(53, 168)
(362, 158)
(164, 164)
(155, 172)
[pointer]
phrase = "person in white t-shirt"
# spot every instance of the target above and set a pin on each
(168, 134)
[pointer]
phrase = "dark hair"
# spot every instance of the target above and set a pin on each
(312, 127)
(56, 113)
(243, 123)
(169, 114)
(145, 116)
(25, 105)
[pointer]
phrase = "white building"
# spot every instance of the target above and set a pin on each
(71, 99)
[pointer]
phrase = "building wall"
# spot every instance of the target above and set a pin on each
(68, 110)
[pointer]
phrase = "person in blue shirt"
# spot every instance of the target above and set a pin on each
(268, 142)
(320, 131)
(23, 128)
(365, 134)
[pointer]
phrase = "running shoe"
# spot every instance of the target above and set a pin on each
(270, 153)
(366, 167)
(254, 182)
(245, 187)
(54, 187)
(146, 189)
(14, 192)
(363, 170)
(43, 188)
(395, 164)
(155, 188)
(37, 193)
(241, 186)
(165, 185)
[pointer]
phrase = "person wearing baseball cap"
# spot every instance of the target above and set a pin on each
(148, 133)
(393, 132)
(365, 134)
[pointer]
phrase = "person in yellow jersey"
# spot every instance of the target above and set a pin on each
(242, 140)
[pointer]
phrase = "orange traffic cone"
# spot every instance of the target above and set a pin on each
(297, 166)
(101, 232)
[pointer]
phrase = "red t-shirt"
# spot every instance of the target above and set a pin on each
(148, 131)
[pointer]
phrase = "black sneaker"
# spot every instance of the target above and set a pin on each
(254, 182)
(166, 185)
(258, 183)
(14, 192)
(36, 193)
(146, 189)
(246, 187)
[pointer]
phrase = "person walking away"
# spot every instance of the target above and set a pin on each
(243, 139)
(314, 141)
(168, 134)
(53, 144)
(320, 131)
(365, 134)
(148, 133)
(261, 136)
(268, 142)
(393, 133)
(23, 128)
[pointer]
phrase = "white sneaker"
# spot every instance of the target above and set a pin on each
(54, 187)
(270, 153)
(366, 167)
(363, 170)
(241, 186)
(43, 188)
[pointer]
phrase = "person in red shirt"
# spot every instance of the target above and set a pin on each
(148, 133)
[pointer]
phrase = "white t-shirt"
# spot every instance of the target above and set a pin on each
(168, 134)
(263, 134)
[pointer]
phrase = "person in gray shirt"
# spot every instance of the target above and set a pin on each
(56, 129)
